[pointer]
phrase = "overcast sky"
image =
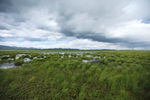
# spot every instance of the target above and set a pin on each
(82, 24)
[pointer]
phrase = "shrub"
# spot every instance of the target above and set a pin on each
(18, 62)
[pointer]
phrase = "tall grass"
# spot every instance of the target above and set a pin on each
(118, 76)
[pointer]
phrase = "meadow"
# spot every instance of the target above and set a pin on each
(75, 75)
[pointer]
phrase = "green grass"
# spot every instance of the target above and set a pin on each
(121, 75)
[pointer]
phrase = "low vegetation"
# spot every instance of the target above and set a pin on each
(116, 75)
(18, 62)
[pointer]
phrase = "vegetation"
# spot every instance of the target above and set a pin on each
(118, 75)
(18, 62)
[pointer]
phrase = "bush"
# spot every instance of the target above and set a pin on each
(18, 62)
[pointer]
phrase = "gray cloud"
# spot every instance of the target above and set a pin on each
(93, 37)
(5, 5)
(109, 21)
(3, 28)
(35, 39)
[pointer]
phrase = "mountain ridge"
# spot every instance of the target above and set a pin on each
(4, 47)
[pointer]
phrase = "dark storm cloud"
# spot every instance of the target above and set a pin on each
(118, 41)
(101, 38)
(92, 37)
(5, 5)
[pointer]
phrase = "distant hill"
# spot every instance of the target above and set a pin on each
(3, 47)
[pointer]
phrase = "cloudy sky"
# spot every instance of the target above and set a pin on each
(82, 24)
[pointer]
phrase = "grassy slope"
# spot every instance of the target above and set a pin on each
(121, 75)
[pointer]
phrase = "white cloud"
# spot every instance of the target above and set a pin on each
(134, 31)
(76, 43)
(89, 44)
(36, 22)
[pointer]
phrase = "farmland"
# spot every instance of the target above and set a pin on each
(75, 75)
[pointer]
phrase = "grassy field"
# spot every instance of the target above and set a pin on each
(113, 75)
